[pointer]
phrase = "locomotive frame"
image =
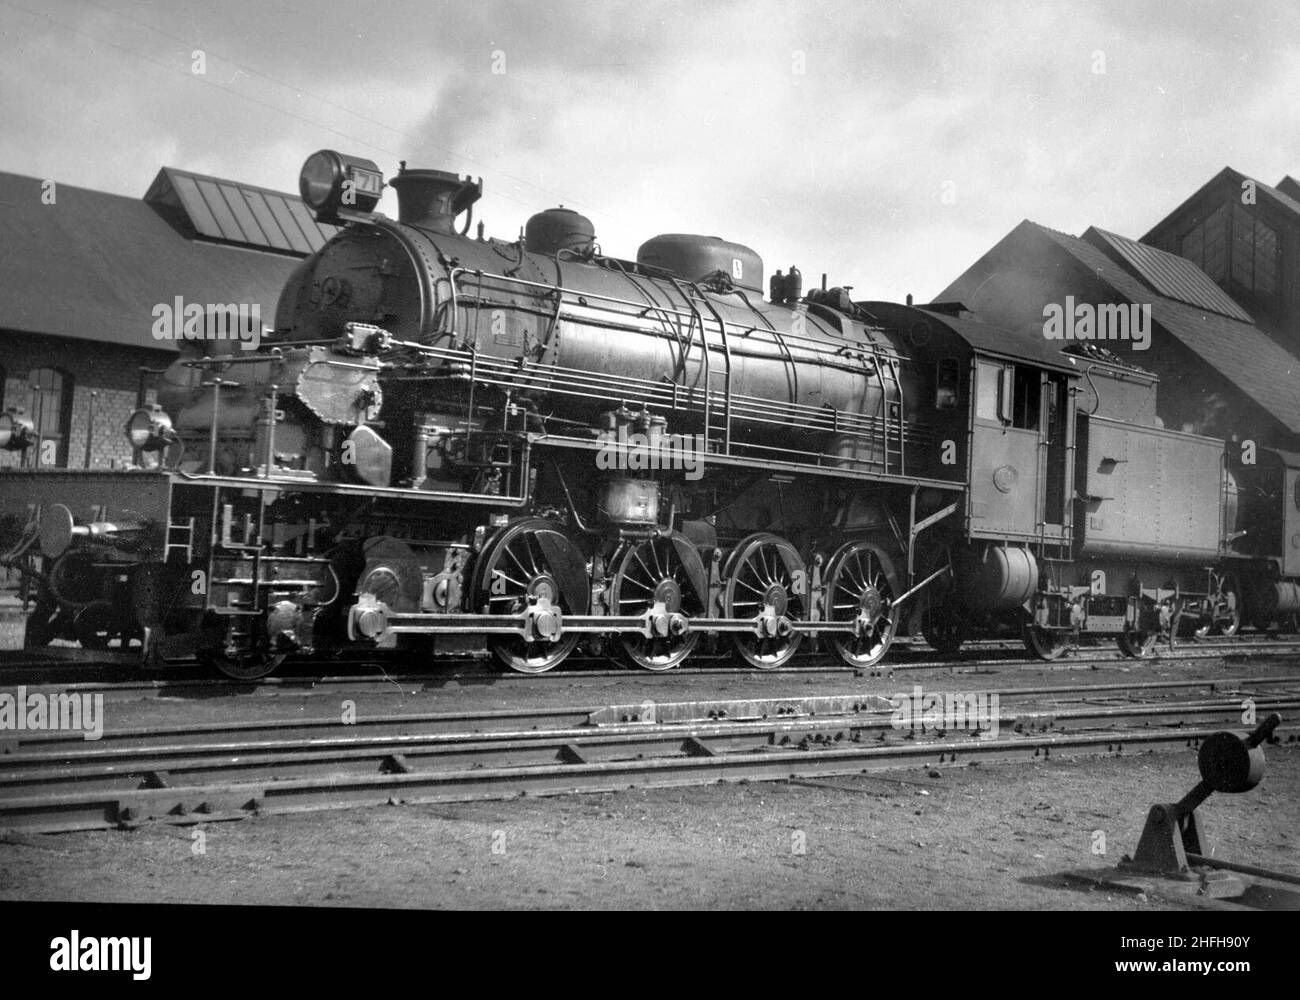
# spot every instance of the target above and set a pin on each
(410, 462)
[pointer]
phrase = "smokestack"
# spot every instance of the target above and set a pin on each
(431, 199)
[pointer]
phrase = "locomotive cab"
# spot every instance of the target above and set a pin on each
(1022, 437)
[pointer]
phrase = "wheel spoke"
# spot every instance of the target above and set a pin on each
(643, 568)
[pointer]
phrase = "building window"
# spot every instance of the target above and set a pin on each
(1235, 247)
(1206, 244)
(1254, 254)
(49, 405)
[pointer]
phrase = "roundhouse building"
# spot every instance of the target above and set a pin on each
(1212, 290)
(91, 283)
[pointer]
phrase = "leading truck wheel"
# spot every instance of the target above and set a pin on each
(860, 588)
(765, 581)
(523, 569)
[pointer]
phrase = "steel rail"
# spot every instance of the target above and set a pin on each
(693, 763)
(311, 686)
(42, 769)
(43, 671)
(550, 720)
(769, 720)
(366, 756)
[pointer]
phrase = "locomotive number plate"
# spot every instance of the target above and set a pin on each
(367, 181)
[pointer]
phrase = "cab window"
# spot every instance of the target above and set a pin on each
(1010, 393)
(947, 377)
(988, 380)
(1027, 398)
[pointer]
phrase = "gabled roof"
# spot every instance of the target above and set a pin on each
(230, 212)
(1172, 276)
(94, 265)
(1285, 200)
(1240, 351)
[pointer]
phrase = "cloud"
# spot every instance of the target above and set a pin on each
(821, 133)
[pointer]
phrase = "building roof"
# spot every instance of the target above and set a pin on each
(94, 265)
(1172, 276)
(1240, 351)
(1284, 197)
(229, 212)
(1290, 187)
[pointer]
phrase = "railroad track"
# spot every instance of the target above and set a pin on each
(86, 673)
(48, 783)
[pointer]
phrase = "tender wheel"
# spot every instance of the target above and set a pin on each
(1226, 614)
(663, 576)
(860, 586)
(531, 565)
(943, 627)
(765, 578)
(1139, 645)
(1045, 643)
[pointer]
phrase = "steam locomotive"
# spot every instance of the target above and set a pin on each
(452, 441)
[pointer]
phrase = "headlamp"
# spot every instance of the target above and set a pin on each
(16, 431)
(331, 181)
(150, 429)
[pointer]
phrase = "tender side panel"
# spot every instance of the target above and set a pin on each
(1152, 492)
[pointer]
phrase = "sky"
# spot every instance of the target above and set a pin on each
(886, 144)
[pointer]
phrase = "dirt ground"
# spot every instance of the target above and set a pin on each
(984, 837)
(990, 836)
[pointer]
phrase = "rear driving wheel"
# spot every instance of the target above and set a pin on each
(860, 588)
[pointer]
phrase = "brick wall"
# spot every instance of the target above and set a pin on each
(103, 375)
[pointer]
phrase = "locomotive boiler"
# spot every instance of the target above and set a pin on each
(451, 441)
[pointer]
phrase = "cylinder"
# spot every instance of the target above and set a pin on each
(997, 578)
(1278, 598)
